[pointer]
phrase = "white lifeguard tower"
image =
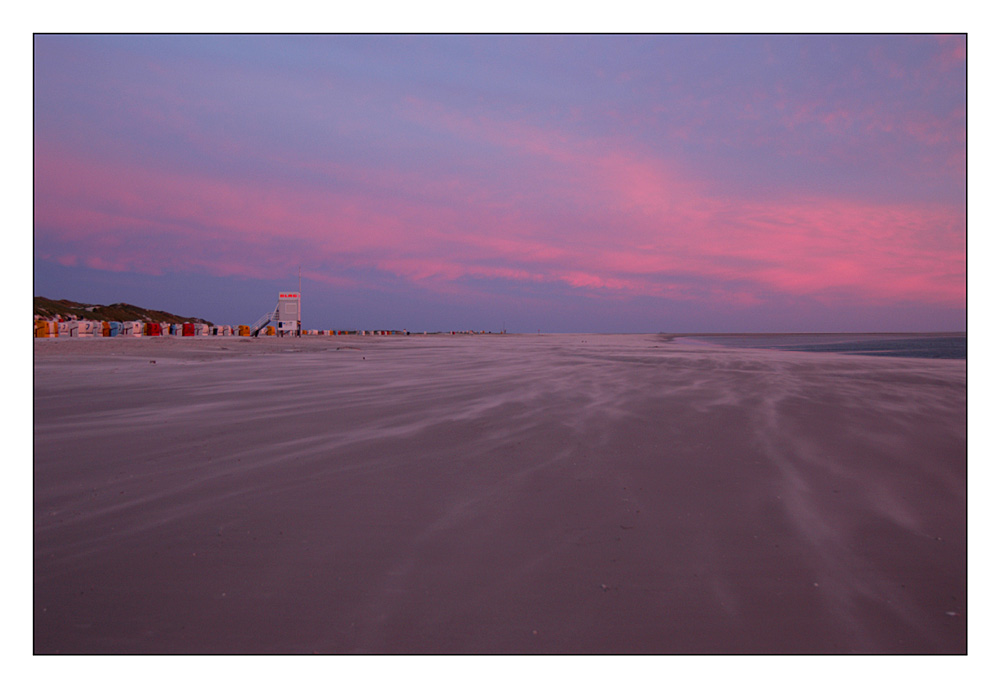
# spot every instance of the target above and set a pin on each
(289, 313)
(286, 316)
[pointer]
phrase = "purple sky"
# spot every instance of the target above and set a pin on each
(586, 184)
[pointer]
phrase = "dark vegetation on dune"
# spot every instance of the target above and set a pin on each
(63, 308)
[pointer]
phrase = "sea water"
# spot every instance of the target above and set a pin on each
(933, 345)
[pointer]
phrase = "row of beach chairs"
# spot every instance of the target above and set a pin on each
(133, 328)
(138, 328)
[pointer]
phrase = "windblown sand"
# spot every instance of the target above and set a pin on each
(494, 494)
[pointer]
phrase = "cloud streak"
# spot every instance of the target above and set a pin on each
(436, 194)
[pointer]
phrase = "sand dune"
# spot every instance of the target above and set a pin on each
(495, 494)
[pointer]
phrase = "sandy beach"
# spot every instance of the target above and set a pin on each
(515, 494)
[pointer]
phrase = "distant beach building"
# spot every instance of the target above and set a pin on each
(288, 314)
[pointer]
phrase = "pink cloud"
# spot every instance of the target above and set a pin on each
(952, 51)
(627, 223)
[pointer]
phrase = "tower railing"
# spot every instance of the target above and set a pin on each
(263, 321)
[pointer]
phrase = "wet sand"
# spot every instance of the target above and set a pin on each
(514, 494)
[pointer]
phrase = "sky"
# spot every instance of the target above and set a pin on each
(554, 183)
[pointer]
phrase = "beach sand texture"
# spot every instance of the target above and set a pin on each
(495, 494)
